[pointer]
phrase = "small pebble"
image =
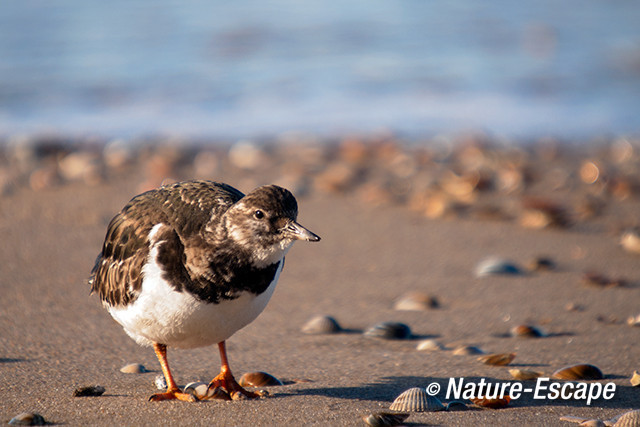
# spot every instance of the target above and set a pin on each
(321, 325)
(389, 330)
(133, 368)
(28, 419)
(90, 391)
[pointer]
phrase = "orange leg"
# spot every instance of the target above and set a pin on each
(226, 381)
(173, 392)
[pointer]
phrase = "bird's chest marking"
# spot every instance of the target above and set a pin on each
(225, 277)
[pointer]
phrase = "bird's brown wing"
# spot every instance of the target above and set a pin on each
(184, 208)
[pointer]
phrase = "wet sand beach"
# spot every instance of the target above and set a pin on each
(394, 217)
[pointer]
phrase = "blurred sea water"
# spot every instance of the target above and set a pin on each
(241, 69)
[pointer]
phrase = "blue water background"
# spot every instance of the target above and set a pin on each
(568, 68)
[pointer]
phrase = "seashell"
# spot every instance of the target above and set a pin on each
(258, 379)
(493, 266)
(160, 382)
(497, 359)
(321, 325)
(416, 400)
(590, 171)
(593, 423)
(467, 350)
(389, 330)
(416, 301)
(572, 306)
(94, 390)
(524, 375)
(634, 320)
(491, 403)
(635, 379)
(217, 393)
(28, 419)
(541, 264)
(385, 419)
(630, 241)
(628, 419)
(133, 368)
(429, 345)
(527, 331)
(578, 372)
(598, 279)
(542, 213)
(456, 405)
(197, 389)
(573, 419)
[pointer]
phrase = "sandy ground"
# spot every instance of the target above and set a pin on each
(56, 337)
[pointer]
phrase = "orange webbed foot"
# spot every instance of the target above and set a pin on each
(174, 394)
(228, 383)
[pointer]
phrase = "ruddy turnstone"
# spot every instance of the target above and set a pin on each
(187, 265)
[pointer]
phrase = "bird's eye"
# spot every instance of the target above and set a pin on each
(258, 214)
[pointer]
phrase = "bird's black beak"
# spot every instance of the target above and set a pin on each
(298, 232)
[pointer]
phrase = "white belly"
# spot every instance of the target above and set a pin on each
(177, 319)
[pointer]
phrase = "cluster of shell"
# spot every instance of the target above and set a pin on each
(625, 419)
(469, 175)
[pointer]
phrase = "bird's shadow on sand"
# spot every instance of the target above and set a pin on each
(388, 388)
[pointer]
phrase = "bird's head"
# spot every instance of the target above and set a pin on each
(264, 223)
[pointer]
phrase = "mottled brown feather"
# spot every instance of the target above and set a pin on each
(195, 253)
(185, 207)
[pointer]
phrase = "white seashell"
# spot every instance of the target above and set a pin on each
(429, 345)
(497, 266)
(415, 301)
(416, 400)
(198, 389)
(634, 320)
(133, 368)
(630, 241)
(321, 325)
(160, 382)
(467, 350)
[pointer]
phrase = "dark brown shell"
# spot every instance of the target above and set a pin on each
(497, 359)
(94, 390)
(527, 331)
(258, 379)
(385, 419)
(389, 331)
(578, 372)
